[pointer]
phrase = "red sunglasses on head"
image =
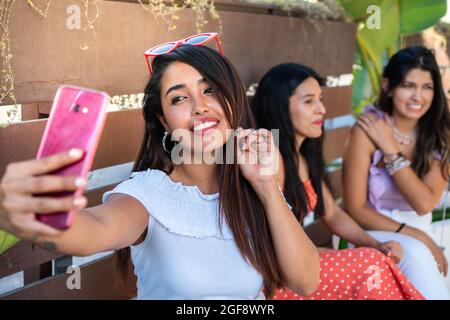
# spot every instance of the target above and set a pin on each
(196, 40)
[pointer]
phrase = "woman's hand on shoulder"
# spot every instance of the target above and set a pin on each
(379, 132)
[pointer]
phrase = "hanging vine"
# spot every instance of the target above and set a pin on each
(167, 11)
(7, 82)
(90, 21)
(41, 12)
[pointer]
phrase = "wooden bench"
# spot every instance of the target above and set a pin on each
(326, 46)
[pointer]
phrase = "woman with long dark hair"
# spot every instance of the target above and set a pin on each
(193, 229)
(396, 165)
(288, 98)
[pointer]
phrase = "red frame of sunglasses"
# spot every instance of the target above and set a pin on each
(176, 44)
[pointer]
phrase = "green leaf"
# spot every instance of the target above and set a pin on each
(363, 92)
(357, 9)
(418, 15)
(7, 241)
(375, 41)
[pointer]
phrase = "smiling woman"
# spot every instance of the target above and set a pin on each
(396, 166)
(192, 231)
(192, 108)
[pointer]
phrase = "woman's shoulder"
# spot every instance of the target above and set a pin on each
(141, 181)
(358, 139)
(147, 177)
(181, 209)
(158, 185)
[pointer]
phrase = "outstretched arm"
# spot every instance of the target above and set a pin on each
(113, 225)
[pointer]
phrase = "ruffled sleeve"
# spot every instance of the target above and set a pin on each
(181, 209)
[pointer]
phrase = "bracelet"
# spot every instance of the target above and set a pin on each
(389, 158)
(395, 161)
(397, 164)
(400, 228)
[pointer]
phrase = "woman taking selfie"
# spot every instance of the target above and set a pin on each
(192, 230)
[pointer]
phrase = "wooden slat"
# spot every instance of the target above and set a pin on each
(37, 273)
(23, 257)
(33, 111)
(44, 108)
(20, 141)
(334, 143)
(99, 280)
(29, 111)
(114, 62)
(94, 197)
(120, 140)
(337, 101)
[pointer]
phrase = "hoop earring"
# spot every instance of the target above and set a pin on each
(164, 141)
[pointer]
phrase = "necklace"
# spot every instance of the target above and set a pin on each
(402, 138)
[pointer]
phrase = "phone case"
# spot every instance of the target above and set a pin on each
(76, 120)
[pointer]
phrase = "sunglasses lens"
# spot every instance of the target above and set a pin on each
(162, 48)
(197, 39)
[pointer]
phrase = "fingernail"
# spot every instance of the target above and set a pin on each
(80, 182)
(79, 202)
(75, 153)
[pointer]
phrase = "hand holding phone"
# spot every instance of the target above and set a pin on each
(76, 121)
(20, 194)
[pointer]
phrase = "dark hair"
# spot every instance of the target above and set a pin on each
(434, 125)
(239, 204)
(270, 107)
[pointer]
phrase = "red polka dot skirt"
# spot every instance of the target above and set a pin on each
(357, 274)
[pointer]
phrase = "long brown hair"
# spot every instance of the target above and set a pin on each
(240, 207)
(270, 106)
(434, 126)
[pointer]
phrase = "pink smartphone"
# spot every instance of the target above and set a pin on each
(76, 120)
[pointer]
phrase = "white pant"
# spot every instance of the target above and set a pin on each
(441, 231)
(418, 265)
(412, 219)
